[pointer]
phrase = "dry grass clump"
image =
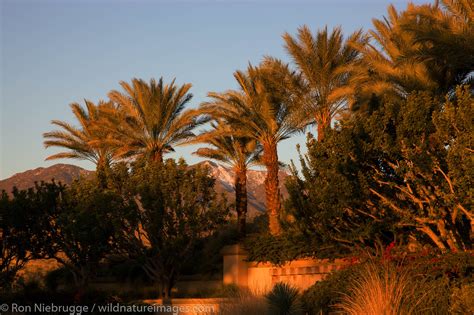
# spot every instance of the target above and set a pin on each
(243, 301)
(382, 290)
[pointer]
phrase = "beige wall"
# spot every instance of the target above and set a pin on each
(261, 277)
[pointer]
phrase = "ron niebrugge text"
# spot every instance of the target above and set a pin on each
(107, 308)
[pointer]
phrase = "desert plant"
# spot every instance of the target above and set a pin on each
(381, 289)
(243, 302)
(284, 299)
(462, 300)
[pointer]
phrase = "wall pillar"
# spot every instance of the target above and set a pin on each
(235, 265)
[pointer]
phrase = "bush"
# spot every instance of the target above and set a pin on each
(433, 284)
(324, 295)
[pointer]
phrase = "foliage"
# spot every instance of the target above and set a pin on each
(380, 290)
(85, 228)
(86, 142)
(264, 247)
(177, 208)
(207, 258)
(425, 47)
(22, 235)
(284, 300)
(324, 61)
(236, 151)
(263, 109)
(243, 302)
(445, 31)
(462, 301)
(426, 282)
(386, 174)
(57, 277)
(150, 118)
(325, 294)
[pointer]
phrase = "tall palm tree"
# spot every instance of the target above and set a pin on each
(238, 152)
(325, 62)
(389, 65)
(446, 34)
(151, 118)
(86, 142)
(262, 109)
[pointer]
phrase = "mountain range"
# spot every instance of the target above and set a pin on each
(66, 173)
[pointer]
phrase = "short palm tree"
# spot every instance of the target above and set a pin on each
(262, 109)
(325, 62)
(151, 119)
(86, 142)
(238, 152)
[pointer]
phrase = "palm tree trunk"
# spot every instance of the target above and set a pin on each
(272, 191)
(102, 170)
(157, 157)
(241, 199)
(323, 124)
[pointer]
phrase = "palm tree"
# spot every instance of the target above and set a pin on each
(86, 142)
(150, 118)
(239, 152)
(393, 65)
(325, 62)
(446, 34)
(264, 110)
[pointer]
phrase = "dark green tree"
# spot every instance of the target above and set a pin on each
(85, 228)
(177, 207)
(21, 234)
(399, 170)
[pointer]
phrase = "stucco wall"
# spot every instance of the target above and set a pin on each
(261, 277)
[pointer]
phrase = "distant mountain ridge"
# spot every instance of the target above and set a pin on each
(66, 173)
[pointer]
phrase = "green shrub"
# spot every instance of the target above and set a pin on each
(323, 295)
(284, 299)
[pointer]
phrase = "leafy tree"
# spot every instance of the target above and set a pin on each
(402, 170)
(330, 205)
(177, 207)
(237, 152)
(22, 236)
(86, 142)
(325, 62)
(85, 227)
(264, 110)
(150, 118)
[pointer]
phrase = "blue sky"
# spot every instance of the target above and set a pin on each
(54, 53)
